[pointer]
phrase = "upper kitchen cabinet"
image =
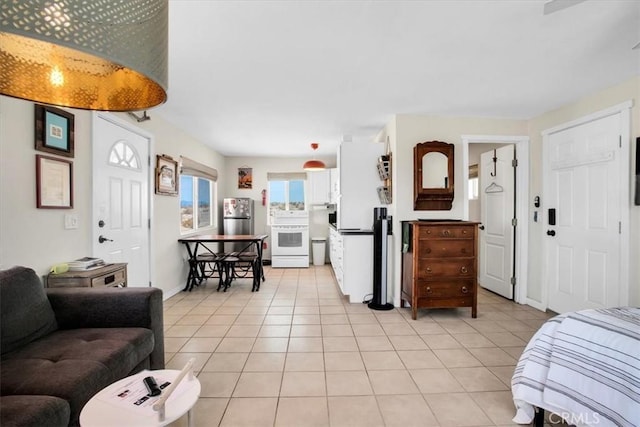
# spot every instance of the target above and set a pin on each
(358, 183)
(433, 164)
(320, 187)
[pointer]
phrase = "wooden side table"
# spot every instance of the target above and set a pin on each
(111, 275)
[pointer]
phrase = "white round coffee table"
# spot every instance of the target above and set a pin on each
(124, 402)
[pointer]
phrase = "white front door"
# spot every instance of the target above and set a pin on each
(497, 207)
(121, 197)
(582, 192)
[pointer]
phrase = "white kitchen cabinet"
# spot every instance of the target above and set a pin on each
(351, 257)
(319, 187)
(358, 184)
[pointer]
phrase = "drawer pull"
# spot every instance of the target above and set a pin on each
(429, 289)
(463, 270)
(428, 269)
(428, 250)
(446, 232)
(463, 250)
(464, 290)
(109, 279)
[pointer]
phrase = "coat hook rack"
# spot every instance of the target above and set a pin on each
(495, 160)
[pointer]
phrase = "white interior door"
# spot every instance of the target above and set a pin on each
(497, 207)
(121, 197)
(583, 247)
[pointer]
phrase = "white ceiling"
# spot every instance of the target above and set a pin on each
(267, 78)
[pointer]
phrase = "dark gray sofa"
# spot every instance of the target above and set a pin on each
(61, 346)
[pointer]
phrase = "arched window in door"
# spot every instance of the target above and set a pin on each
(124, 155)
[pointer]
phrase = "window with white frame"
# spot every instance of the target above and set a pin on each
(286, 192)
(197, 196)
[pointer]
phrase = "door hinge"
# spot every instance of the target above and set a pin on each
(620, 141)
(149, 161)
(514, 163)
(619, 227)
(149, 223)
(150, 285)
(514, 222)
(513, 281)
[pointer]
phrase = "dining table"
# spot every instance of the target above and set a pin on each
(197, 243)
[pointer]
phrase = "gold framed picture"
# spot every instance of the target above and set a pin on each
(166, 175)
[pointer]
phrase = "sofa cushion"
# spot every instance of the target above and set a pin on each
(74, 364)
(29, 411)
(25, 312)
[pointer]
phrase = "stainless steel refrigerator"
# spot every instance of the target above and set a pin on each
(237, 218)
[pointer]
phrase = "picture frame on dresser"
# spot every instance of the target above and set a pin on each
(54, 130)
(54, 183)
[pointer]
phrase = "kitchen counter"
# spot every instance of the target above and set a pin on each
(352, 231)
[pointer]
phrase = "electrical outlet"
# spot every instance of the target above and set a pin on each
(70, 221)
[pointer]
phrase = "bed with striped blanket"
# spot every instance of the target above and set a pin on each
(584, 368)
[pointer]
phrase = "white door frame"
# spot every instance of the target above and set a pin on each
(521, 271)
(624, 178)
(150, 178)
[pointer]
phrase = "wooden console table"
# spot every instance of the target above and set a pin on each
(111, 275)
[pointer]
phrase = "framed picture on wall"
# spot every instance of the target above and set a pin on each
(166, 175)
(54, 130)
(54, 183)
(245, 178)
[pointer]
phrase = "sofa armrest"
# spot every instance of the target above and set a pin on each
(112, 308)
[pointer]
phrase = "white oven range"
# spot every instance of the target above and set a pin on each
(290, 239)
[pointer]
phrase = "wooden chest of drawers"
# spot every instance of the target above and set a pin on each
(439, 264)
(114, 275)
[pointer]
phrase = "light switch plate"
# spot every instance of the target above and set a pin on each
(70, 221)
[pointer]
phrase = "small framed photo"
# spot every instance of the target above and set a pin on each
(54, 183)
(245, 178)
(166, 175)
(54, 130)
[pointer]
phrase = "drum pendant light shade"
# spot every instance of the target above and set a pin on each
(314, 165)
(106, 55)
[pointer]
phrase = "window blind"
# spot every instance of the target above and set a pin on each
(193, 168)
(286, 176)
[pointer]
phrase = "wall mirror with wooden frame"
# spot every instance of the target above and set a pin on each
(433, 163)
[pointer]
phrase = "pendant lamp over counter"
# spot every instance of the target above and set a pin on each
(314, 165)
(108, 55)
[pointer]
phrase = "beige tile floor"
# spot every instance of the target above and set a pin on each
(298, 354)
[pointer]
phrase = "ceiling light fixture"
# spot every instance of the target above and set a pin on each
(314, 165)
(106, 55)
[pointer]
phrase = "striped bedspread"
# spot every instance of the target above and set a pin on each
(584, 367)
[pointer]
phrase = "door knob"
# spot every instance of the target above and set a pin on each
(551, 233)
(481, 227)
(103, 239)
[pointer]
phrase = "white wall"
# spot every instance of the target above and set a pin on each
(29, 236)
(318, 218)
(36, 237)
(629, 90)
(406, 131)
